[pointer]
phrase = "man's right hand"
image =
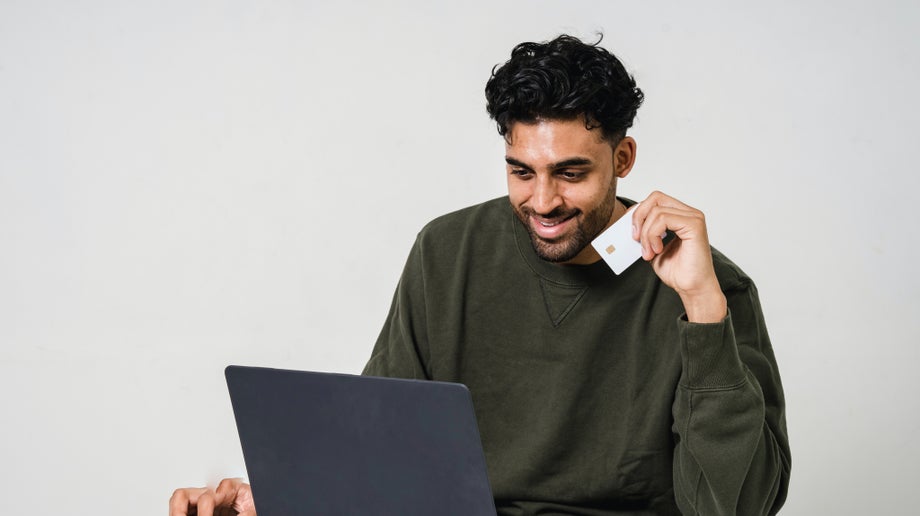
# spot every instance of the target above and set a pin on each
(232, 496)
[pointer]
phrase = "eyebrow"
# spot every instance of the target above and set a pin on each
(571, 162)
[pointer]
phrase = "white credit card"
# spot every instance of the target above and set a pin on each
(616, 245)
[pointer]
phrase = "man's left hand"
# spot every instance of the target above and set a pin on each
(685, 264)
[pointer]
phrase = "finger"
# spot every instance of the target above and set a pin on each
(228, 486)
(227, 491)
(634, 214)
(178, 503)
(244, 499)
(657, 221)
(644, 208)
(182, 499)
(639, 213)
(206, 504)
(657, 198)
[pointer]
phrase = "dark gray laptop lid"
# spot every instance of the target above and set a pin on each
(324, 443)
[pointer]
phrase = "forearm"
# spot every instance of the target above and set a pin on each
(731, 455)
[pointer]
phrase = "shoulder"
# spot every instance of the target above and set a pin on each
(480, 219)
(730, 275)
(474, 237)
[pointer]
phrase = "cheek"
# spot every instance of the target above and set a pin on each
(578, 196)
(586, 196)
(518, 191)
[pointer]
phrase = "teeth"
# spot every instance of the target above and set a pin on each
(548, 224)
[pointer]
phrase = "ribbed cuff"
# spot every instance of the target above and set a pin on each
(709, 355)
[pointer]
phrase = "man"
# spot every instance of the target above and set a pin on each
(651, 392)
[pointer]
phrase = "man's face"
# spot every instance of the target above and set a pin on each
(562, 185)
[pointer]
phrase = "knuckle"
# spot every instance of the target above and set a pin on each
(227, 484)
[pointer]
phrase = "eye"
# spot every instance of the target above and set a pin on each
(520, 172)
(571, 175)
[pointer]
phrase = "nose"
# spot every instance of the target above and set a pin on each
(545, 196)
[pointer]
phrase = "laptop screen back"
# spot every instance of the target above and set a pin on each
(323, 443)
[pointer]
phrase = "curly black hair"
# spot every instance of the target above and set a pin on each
(563, 79)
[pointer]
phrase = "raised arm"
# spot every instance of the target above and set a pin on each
(732, 452)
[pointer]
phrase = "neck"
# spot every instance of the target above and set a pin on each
(619, 209)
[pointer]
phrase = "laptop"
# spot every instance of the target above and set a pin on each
(325, 443)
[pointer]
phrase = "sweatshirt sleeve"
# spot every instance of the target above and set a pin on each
(401, 350)
(732, 451)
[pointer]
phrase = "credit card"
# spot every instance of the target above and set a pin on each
(616, 245)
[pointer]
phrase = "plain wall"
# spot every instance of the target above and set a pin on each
(185, 185)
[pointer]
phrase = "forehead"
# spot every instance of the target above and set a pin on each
(553, 140)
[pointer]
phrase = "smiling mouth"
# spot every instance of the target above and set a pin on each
(551, 223)
(553, 228)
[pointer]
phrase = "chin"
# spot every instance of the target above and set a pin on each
(559, 252)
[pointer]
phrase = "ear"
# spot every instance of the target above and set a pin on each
(624, 156)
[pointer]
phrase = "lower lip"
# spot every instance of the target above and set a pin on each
(550, 232)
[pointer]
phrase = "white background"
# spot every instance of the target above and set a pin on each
(185, 185)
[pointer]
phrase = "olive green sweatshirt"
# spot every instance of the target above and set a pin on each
(593, 393)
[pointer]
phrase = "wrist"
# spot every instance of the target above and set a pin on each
(705, 307)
